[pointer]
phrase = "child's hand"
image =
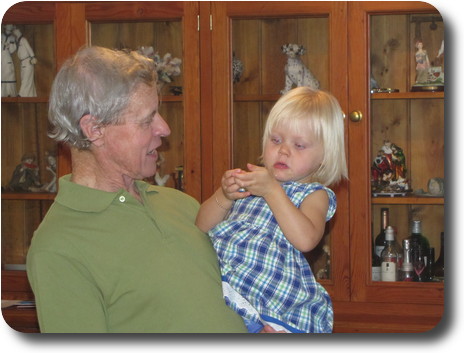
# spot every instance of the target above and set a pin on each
(229, 186)
(258, 181)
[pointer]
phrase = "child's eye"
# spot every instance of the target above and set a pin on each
(299, 146)
(275, 140)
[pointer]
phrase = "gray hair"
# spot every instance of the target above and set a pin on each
(96, 81)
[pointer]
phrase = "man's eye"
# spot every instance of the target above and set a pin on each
(147, 122)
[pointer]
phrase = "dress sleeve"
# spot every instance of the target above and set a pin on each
(332, 204)
(67, 300)
(304, 190)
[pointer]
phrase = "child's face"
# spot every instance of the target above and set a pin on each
(292, 155)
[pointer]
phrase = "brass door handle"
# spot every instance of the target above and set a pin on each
(356, 116)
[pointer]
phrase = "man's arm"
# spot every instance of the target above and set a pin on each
(67, 300)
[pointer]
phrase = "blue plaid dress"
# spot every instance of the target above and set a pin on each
(265, 279)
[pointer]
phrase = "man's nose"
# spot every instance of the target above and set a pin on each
(161, 127)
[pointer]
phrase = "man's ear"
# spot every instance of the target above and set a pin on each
(91, 129)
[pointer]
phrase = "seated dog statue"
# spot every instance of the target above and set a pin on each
(296, 73)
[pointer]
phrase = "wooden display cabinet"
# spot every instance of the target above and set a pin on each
(217, 124)
(254, 33)
(24, 139)
(414, 121)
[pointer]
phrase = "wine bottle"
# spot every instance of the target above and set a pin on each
(438, 268)
(416, 233)
(376, 264)
(380, 238)
(389, 256)
(420, 251)
(406, 273)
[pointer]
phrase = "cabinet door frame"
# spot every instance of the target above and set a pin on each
(363, 288)
(222, 15)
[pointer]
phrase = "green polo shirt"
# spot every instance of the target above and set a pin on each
(104, 262)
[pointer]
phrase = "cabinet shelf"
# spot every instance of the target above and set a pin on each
(407, 200)
(409, 95)
(171, 98)
(28, 196)
(418, 285)
(256, 97)
(24, 99)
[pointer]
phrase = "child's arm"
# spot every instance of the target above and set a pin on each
(304, 226)
(214, 209)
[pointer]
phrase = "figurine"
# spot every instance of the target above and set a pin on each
(441, 51)
(26, 175)
(374, 86)
(388, 170)
(296, 73)
(51, 185)
(399, 162)
(8, 69)
(176, 90)
(27, 58)
(324, 273)
(166, 67)
(437, 71)
(237, 69)
(422, 63)
(436, 187)
(160, 180)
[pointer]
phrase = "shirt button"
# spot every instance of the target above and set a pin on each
(122, 198)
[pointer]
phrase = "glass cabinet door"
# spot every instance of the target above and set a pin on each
(157, 31)
(403, 123)
(29, 156)
(248, 77)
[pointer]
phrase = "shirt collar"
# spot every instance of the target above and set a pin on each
(84, 199)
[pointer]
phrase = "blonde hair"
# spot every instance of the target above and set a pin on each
(319, 111)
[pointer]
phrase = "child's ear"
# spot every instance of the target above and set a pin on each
(92, 129)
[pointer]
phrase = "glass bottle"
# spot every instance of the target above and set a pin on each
(389, 257)
(416, 233)
(376, 264)
(399, 251)
(380, 238)
(406, 273)
(438, 268)
(420, 251)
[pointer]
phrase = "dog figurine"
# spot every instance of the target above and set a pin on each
(296, 73)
